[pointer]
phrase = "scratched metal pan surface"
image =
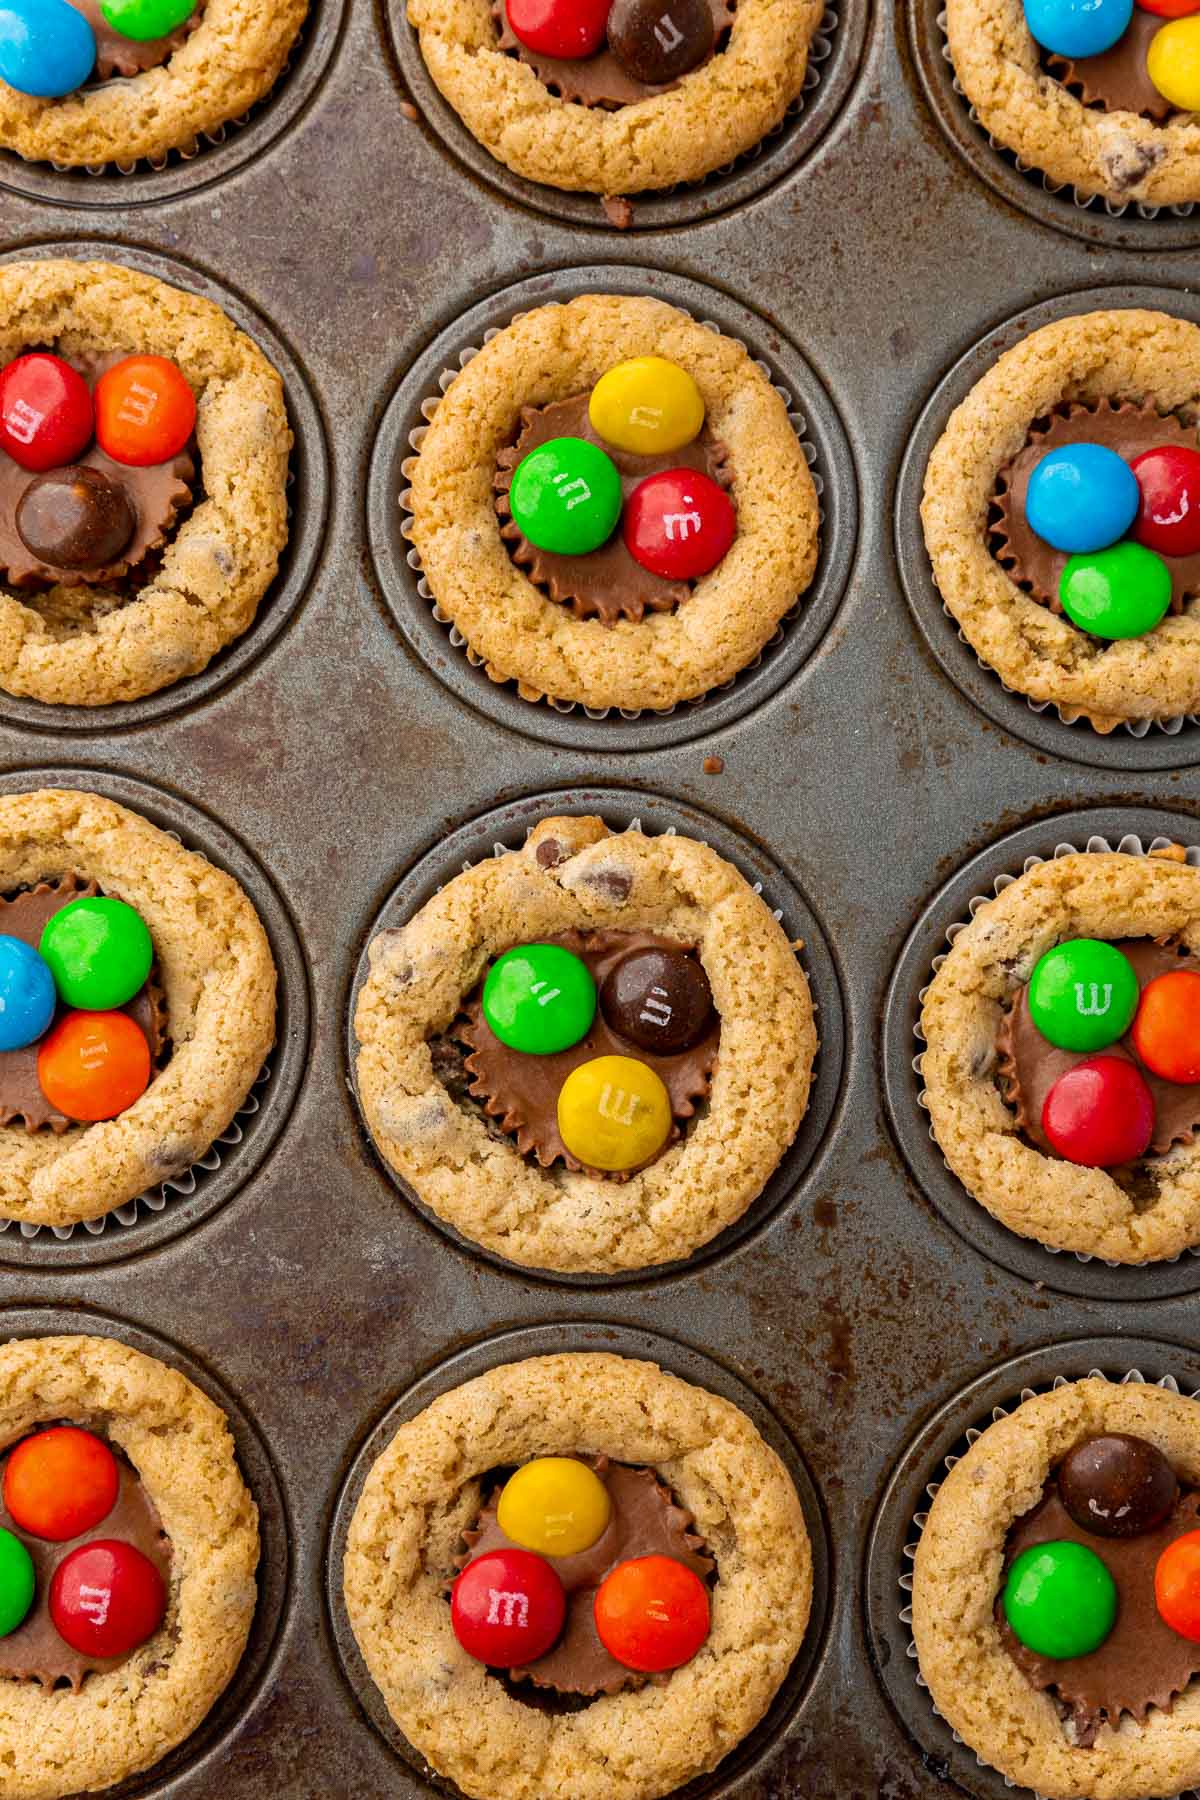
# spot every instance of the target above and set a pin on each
(869, 772)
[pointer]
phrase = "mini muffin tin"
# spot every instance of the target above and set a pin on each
(345, 758)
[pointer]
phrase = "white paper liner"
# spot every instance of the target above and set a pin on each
(1083, 202)
(416, 437)
(1129, 845)
(181, 1186)
(921, 1519)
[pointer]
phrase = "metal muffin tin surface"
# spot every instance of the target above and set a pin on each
(339, 762)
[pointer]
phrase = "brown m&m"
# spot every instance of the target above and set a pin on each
(659, 999)
(1117, 1486)
(75, 518)
(657, 41)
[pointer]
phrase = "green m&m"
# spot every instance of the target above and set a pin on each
(1083, 994)
(566, 496)
(539, 998)
(99, 953)
(144, 20)
(1060, 1600)
(16, 1582)
(1121, 592)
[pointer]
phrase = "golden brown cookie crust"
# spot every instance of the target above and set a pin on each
(425, 1489)
(1118, 155)
(230, 61)
(224, 556)
(975, 1684)
(548, 355)
(56, 1742)
(712, 116)
(481, 1185)
(1061, 1204)
(219, 979)
(1133, 354)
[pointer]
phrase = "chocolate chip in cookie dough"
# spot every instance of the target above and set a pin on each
(75, 518)
(657, 41)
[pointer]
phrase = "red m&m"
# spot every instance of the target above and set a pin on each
(564, 29)
(1170, 9)
(679, 524)
(60, 1483)
(507, 1608)
(93, 1065)
(106, 1598)
(1168, 517)
(1166, 1026)
(46, 414)
(1099, 1113)
(652, 1613)
(145, 411)
(1177, 1586)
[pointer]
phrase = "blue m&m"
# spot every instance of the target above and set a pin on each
(1082, 498)
(27, 994)
(47, 49)
(1078, 28)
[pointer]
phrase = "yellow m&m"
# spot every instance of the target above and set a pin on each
(554, 1505)
(1173, 62)
(647, 405)
(614, 1113)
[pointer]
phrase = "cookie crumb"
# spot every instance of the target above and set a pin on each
(1171, 853)
(714, 765)
(409, 110)
(617, 211)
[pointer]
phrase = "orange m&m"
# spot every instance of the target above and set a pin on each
(651, 1613)
(1177, 1586)
(60, 1483)
(93, 1065)
(1166, 1026)
(145, 411)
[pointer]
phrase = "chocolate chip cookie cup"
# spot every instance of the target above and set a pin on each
(551, 1158)
(602, 632)
(1122, 378)
(209, 520)
(131, 100)
(696, 1454)
(72, 1717)
(211, 995)
(1046, 1482)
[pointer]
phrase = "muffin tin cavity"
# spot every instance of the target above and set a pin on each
(163, 1213)
(1134, 830)
(897, 1526)
(785, 1714)
(506, 829)
(441, 646)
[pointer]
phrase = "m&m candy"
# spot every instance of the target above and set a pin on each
(507, 1608)
(75, 518)
(1170, 9)
(1117, 1486)
(27, 997)
(1082, 497)
(1083, 994)
(1169, 482)
(1166, 1029)
(1060, 1600)
(647, 405)
(1177, 1586)
(1099, 1113)
(60, 1483)
(145, 411)
(46, 413)
(47, 48)
(93, 1065)
(1173, 63)
(17, 1582)
(1121, 592)
(659, 999)
(539, 998)
(566, 496)
(564, 29)
(613, 1113)
(679, 524)
(99, 952)
(652, 1614)
(106, 1598)
(657, 41)
(1077, 28)
(145, 20)
(555, 1505)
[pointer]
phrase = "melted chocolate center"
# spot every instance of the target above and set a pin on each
(117, 55)
(1118, 79)
(598, 80)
